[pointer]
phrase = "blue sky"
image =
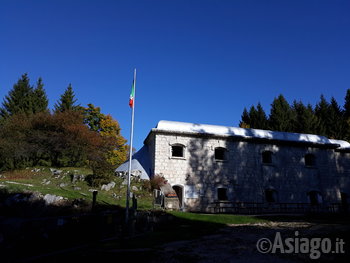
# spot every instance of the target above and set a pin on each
(197, 61)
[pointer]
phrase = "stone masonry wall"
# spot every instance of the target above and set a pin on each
(243, 173)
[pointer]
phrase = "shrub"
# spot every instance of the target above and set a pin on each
(103, 172)
(157, 181)
(146, 185)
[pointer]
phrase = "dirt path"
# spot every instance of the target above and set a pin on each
(238, 243)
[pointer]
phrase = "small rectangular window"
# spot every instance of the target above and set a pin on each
(177, 151)
(222, 194)
(267, 157)
(220, 154)
(310, 160)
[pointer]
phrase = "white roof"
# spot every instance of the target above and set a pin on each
(184, 127)
(343, 144)
(140, 162)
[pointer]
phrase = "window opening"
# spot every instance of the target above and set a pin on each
(309, 159)
(220, 154)
(222, 194)
(177, 151)
(267, 157)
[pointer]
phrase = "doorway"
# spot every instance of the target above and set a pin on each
(179, 192)
(344, 201)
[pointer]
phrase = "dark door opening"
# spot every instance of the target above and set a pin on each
(344, 201)
(179, 192)
(315, 198)
(270, 195)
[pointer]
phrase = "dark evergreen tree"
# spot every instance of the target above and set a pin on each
(281, 116)
(253, 116)
(327, 118)
(261, 121)
(19, 99)
(321, 112)
(335, 125)
(305, 119)
(67, 101)
(40, 98)
(347, 105)
(311, 119)
(346, 116)
(245, 119)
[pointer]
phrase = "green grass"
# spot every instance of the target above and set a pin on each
(78, 190)
(218, 218)
(185, 226)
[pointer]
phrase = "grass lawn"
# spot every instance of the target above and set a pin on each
(41, 179)
(218, 218)
(184, 226)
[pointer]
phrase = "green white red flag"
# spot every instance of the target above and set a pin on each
(132, 95)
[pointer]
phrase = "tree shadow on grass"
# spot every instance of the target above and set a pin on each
(30, 226)
(179, 239)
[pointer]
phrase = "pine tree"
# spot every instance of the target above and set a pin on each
(281, 115)
(67, 101)
(305, 119)
(347, 105)
(335, 118)
(245, 119)
(346, 116)
(261, 119)
(311, 120)
(253, 116)
(321, 112)
(19, 99)
(40, 98)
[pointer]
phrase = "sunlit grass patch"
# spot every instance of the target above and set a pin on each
(218, 218)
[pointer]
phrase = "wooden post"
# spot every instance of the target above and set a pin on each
(94, 198)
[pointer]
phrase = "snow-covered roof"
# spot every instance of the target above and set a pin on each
(344, 145)
(140, 164)
(194, 128)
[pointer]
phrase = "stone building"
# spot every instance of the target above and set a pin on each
(228, 169)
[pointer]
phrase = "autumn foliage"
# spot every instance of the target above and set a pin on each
(59, 139)
(30, 135)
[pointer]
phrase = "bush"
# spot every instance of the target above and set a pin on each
(103, 173)
(46, 163)
(146, 185)
(157, 181)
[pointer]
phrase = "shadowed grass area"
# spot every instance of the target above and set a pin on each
(184, 226)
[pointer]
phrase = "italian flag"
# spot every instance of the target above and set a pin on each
(132, 95)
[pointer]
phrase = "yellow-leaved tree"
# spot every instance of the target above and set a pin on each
(115, 152)
(110, 129)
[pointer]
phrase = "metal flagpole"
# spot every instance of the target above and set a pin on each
(130, 151)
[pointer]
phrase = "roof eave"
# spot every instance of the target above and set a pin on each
(243, 138)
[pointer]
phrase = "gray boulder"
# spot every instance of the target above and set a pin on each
(108, 187)
(52, 199)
